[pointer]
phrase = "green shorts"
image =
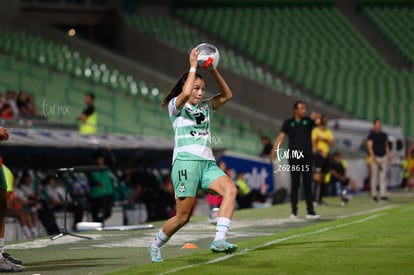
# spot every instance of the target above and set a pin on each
(188, 176)
(3, 182)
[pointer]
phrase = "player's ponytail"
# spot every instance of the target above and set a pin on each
(177, 88)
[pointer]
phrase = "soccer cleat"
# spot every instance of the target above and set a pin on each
(11, 259)
(222, 246)
(312, 216)
(7, 266)
(375, 199)
(155, 254)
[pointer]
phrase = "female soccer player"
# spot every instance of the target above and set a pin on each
(194, 165)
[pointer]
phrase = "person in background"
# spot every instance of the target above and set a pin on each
(2, 100)
(405, 172)
(378, 148)
(339, 178)
(32, 190)
(57, 201)
(20, 207)
(322, 140)
(31, 105)
(101, 192)
(6, 112)
(246, 196)
(23, 105)
(410, 168)
(88, 119)
(267, 147)
(11, 101)
(298, 129)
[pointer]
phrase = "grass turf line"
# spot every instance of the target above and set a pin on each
(372, 244)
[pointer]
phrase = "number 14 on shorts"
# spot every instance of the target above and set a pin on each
(182, 174)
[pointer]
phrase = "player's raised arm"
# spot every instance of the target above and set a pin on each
(225, 91)
(184, 96)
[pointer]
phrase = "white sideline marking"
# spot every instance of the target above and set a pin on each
(408, 209)
(367, 211)
(247, 250)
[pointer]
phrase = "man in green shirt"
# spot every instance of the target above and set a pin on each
(101, 192)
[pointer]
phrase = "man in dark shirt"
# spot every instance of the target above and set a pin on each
(299, 155)
(378, 148)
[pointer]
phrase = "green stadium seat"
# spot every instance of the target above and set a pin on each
(317, 47)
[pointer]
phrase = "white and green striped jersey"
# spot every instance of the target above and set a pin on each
(191, 125)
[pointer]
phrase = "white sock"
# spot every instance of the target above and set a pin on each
(1, 247)
(222, 228)
(160, 239)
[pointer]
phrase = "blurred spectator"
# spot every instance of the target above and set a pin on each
(410, 167)
(247, 196)
(101, 192)
(21, 208)
(378, 148)
(339, 178)
(147, 190)
(79, 189)
(267, 147)
(23, 105)
(57, 201)
(322, 140)
(29, 187)
(31, 104)
(2, 100)
(32, 190)
(89, 118)
(31, 206)
(6, 112)
(404, 171)
(11, 101)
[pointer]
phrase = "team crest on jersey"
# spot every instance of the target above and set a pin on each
(181, 188)
(196, 109)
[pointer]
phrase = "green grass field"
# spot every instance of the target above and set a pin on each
(360, 238)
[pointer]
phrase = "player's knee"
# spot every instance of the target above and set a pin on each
(183, 219)
(230, 191)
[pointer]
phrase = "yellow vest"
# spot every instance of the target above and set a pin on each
(406, 171)
(89, 126)
(9, 178)
(328, 175)
(325, 134)
(244, 188)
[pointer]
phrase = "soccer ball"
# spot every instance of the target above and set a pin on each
(208, 57)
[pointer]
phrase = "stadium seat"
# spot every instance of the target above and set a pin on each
(61, 76)
(316, 46)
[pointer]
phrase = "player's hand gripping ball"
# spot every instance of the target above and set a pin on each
(208, 56)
